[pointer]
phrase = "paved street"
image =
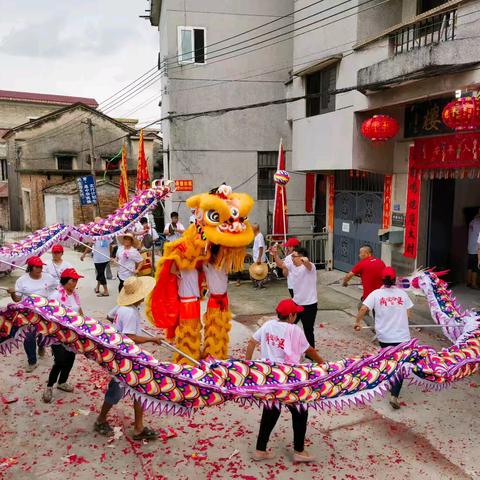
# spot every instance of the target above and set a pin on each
(434, 435)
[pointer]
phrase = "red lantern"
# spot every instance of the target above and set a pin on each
(462, 114)
(379, 128)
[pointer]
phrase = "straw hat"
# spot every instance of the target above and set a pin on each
(135, 241)
(258, 271)
(135, 289)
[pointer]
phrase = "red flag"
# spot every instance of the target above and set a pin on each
(280, 219)
(309, 191)
(143, 180)
(123, 193)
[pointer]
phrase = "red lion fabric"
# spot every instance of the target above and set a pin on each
(165, 305)
(218, 301)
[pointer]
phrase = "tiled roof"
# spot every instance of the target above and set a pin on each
(45, 98)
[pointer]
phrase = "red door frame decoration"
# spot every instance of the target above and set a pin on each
(387, 201)
(331, 202)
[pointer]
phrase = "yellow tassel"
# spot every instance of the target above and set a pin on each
(188, 334)
(230, 259)
(217, 325)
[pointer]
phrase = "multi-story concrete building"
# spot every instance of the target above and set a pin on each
(346, 63)
(201, 72)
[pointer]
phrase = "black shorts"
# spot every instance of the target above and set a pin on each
(473, 262)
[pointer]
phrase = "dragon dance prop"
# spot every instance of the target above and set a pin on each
(118, 222)
(219, 236)
(164, 387)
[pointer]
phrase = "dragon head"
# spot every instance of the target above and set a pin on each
(221, 216)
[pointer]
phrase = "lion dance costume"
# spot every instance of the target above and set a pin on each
(215, 244)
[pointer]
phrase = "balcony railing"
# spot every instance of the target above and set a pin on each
(429, 31)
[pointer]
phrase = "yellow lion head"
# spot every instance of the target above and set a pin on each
(221, 217)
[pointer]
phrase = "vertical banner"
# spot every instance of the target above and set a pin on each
(331, 201)
(387, 200)
(280, 212)
(411, 214)
(309, 192)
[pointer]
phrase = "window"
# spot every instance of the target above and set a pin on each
(426, 5)
(191, 45)
(267, 166)
(320, 83)
(65, 162)
(3, 169)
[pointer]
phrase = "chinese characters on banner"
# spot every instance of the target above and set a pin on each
(87, 190)
(411, 215)
(184, 185)
(331, 201)
(387, 200)
(446, 152)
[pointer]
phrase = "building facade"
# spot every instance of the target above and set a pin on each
(238, 148)
(17, 108)
(343, 63)
(54, 149)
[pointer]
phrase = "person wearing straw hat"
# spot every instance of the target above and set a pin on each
(67, 296)
(33, 282)
(128, 258)
(57, 264)
(392, 307)
(260, 268)
(128, 322)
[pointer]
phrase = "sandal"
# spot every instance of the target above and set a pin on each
(146, 434)
(97, 291)
(103, 429)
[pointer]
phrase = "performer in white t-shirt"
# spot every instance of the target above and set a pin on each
(392, 308)
(258, 252)
(128, 258)
(34, 282)
(283, 342)
(303, 278)
(287, 262)
(57, 264)
(67, 296)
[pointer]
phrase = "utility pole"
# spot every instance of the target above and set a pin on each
(89, 123)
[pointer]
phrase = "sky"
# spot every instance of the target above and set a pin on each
(87, 48)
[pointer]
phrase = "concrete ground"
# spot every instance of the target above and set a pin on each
(433, 436)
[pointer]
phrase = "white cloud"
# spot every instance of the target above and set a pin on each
(89, 48)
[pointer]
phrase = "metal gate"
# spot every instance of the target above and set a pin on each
(357, 219)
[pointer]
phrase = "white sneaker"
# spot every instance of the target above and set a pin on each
(31, 367)
(47, 395)
(66, 387)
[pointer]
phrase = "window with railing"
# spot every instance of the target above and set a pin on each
(429, 31)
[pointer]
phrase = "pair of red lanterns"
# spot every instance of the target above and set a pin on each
(460, 115)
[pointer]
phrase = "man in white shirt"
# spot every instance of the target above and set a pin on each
(174, 229)
(473, 249)
(392, 308)
(303, 277)
(259, 252)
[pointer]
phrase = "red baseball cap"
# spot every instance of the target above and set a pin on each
(57, 248)
(292, 242)
(35, 262)
(71, 273)
(389, 272)
(288, 306)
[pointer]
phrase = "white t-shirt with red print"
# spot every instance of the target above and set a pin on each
(391, 319)
(281, 342)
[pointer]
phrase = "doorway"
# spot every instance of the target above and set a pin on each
(358, 215)
(452, 203)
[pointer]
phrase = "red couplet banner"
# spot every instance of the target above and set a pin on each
(387, 200)
(411, 214)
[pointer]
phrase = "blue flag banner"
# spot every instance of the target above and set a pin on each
(87, 190)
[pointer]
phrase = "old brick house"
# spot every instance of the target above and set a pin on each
(55, 148)
(17, 108)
